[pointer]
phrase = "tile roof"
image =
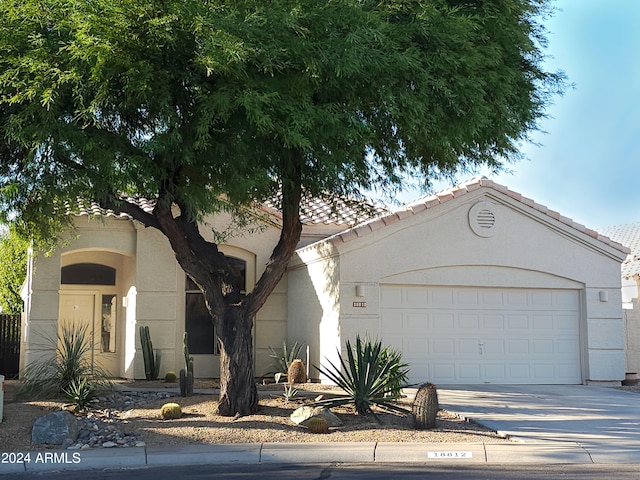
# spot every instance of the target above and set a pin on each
(331, 209)
(432, 201)
(628, 235)
(313, 210)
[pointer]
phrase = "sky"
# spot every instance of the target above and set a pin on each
(587, 163)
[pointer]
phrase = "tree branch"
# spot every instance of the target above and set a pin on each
(283, 251)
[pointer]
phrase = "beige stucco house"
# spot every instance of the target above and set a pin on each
(474, 285)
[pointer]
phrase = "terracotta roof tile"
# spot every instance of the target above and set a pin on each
(333, 210)
(313, 210)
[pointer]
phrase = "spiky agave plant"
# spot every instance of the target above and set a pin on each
(72, 363)
(368, 378)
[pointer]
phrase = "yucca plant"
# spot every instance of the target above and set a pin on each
(80, 392)
(51, 377)
(369, 377)
(283, 360)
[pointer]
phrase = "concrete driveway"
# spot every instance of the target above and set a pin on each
(603, 421)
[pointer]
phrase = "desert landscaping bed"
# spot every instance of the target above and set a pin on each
(201, 425)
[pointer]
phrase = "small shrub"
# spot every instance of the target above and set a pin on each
(318, 425)
(397, 377)
(171, 377)
(170, 411)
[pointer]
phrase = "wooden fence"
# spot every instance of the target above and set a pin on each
(9, 345)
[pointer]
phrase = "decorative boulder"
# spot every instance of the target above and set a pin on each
(302, 415)
(55, 428)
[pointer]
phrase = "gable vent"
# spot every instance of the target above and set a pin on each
(484, 219)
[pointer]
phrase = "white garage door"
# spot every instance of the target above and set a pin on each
(452, 335)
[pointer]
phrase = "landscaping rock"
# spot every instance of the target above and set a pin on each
(55, 428)
(302, 415)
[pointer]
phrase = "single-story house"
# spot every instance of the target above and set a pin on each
(473, 285)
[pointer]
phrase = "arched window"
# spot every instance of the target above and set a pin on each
(88, 274)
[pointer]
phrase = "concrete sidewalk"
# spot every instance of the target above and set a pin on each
(358, 453)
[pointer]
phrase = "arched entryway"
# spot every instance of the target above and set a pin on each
(91, 286)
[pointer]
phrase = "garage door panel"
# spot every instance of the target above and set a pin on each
(519, 322)
(495, 373)
(493, 346)
(519, 346)
(413, 321)
(442, 321)
(444, 346)
(469, 372)
(493, 321)
(478, 335)
(468, 321)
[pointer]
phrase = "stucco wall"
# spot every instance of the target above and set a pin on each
(437, 246)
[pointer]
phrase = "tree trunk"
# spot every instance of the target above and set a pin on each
(238, 392)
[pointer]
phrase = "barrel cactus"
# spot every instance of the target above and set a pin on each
(170, 411)
(171, 377)
(297, 372)
(425, 407)
(318, 425)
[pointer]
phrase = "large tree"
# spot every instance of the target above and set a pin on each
(204, 106)
(13, 269)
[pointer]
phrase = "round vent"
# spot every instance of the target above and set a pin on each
(486, 219)
(483, 219)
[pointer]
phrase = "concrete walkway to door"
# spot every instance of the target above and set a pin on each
(603, 421)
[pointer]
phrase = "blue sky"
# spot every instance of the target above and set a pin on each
(587, 166)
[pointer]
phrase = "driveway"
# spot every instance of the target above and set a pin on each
(603, 421)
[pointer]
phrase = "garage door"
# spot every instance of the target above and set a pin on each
(452, 335)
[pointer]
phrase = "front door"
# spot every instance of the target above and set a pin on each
(97, 311)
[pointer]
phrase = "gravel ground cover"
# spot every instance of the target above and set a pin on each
(133, 417)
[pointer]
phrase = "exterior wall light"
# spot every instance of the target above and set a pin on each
(359, 290)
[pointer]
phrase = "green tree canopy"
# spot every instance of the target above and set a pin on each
(13, 269)
(211, 105)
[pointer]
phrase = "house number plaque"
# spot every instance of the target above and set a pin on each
(360, 304)
(449, 454)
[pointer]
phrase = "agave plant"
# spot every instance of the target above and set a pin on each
(51, 377)
(369, 377)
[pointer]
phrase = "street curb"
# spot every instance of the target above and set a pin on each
(299, 453)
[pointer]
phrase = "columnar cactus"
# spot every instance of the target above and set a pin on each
(151, 363)
(425, 407)
(186, 374)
